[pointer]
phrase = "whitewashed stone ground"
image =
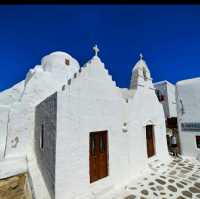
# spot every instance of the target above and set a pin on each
(180, 179)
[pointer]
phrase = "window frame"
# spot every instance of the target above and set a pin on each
(67, 62)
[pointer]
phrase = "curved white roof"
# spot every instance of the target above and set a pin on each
(188, 81)
(58, 58)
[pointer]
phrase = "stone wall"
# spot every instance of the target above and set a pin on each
(15, 187)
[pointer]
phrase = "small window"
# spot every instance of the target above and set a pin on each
(69, 81)
(160, 96)
(42, 137)
(63, 87)
(67, 62)
(145, 74)
(198, 141)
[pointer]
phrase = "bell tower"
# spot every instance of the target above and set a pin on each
(140, 75)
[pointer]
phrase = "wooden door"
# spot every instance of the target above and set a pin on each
(98, 155)
(150, 141)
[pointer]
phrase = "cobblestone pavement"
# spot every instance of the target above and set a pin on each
(180, 179)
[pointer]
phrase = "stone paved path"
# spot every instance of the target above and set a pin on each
(180, 179)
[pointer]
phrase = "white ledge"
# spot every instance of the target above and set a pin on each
(12, 166)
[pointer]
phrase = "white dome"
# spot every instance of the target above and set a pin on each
(59, 64)
(58, 59)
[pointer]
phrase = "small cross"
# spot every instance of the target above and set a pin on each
(141, 56)
(96, 50)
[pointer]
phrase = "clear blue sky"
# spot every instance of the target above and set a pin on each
(168, 36)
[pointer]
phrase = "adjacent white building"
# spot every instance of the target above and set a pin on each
(188, 106)
(166, 95)
(75, 132)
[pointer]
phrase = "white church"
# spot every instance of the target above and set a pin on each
(75, 132)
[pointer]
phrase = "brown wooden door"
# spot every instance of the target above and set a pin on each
(150, 141)
(98, 155)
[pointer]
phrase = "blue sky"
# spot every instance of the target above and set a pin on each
(167, 35)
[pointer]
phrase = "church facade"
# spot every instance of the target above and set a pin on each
(76, 132)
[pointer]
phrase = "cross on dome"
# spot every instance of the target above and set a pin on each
(96, 50)
(141, 56)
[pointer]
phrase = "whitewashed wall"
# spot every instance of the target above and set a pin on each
(169, 103)
(146, 109)
(93, 103)
(45, 114)
(4, 111)
(187, 91)
(11, 95)
(171, 89)
(41, 81)
(90, 103)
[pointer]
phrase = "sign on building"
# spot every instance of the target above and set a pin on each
(190, 126)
